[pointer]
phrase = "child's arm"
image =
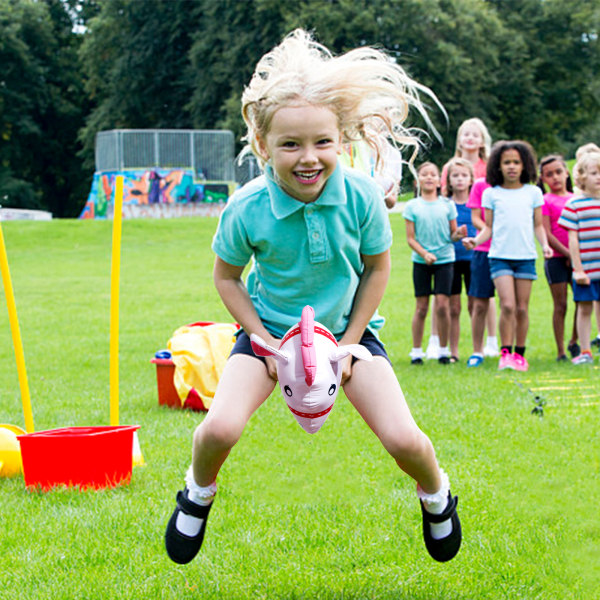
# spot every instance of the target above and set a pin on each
(428, 257)
(477, 219)
(552, 239)
(540, 232)
(457, 233)
(233, 293)
(579, 275)
(484, 235)
(373, 281)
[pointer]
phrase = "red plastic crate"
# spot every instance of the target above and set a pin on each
(88, 457)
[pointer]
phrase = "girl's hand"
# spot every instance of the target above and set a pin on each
(581, 278)
(346, 369)
(460, 233)
(548, 252)
(271, 362)
(468, 243)
(430, 258)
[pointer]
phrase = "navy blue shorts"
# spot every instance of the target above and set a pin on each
(482, 285)
(558, 270)
(586, 293)
(368, 340)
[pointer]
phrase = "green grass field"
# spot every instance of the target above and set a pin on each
(326, 516)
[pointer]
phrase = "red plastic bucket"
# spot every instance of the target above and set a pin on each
(95, 457)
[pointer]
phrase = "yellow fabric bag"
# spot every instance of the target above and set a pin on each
(199, 352)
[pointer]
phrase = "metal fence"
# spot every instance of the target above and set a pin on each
(210, 153)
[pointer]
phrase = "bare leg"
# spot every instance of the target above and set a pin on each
(455, 309)
(385, 411)
(584, 324)
(478, 317)
(490, 320)
(522, 295)
(559, 299)
(442, 304)
(418, 322)
(505, 285)
(243, 387)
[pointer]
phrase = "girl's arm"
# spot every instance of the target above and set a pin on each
(540, 232)
(579, 275)
(552, 239)
(428, 257)
(457, 233)
(484, 235)
(233, 293)
(477, 219)
(369, 293)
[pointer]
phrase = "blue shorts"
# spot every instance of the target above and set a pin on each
(481, 285)
(519, 269)
(369, 341)
(558, 270)
(586, 293)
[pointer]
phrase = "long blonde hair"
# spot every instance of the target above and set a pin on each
(367, 91)
(484, 151)
(582, 166)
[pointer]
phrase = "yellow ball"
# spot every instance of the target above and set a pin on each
(10, 453)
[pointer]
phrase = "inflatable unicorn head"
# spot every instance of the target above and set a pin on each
(309, 368)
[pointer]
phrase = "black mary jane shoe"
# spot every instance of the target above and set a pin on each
(446, 548)
(183, 548)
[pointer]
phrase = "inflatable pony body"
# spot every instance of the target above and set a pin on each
(309, 368)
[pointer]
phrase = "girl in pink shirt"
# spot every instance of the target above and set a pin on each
(555, 176)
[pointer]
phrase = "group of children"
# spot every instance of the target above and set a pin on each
(475, 224)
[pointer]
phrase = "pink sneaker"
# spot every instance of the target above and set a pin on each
(520, 362)
(506, 360)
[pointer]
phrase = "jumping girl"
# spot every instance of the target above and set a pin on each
(320, 235)
(513, 213)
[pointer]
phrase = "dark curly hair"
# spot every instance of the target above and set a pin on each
(528, 157)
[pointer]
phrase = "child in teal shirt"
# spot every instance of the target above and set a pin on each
(315, 235)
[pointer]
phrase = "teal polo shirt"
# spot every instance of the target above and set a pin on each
(304, 253)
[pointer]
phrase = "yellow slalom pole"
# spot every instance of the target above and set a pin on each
(16, 336)
(114, 302)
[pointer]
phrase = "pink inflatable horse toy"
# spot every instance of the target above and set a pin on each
(308, 368)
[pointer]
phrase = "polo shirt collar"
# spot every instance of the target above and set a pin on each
(283, 205)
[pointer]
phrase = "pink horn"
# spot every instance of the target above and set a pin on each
(307, 332)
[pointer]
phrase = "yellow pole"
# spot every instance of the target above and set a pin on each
(16, 336)
(114, 302)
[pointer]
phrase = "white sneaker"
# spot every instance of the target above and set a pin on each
(491, 350)
(583, 359)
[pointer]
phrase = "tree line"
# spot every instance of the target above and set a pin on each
(71, 68)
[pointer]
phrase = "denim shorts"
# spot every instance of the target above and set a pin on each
(586, 293)
(519, 269)
(481, 285)
(369, 341)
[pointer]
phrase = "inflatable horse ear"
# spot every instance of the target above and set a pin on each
(308, 368)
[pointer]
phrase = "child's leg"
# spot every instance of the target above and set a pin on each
(522, 295)
(374, 391)
(505, 284)
(490, 318)
(442, 303)
(559, 300)
(478, 317)
(418, 322)
(584, 325)
(243, 387)
(455, 309)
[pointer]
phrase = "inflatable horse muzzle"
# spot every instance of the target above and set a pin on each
(309, 368)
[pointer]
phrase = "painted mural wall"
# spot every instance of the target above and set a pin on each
(157, 193)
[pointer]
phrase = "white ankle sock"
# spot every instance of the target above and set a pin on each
(197, 494)
(417, 353)
(444, 351)
(435, 504)
(434, 340)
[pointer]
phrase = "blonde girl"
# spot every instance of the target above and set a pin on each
(320, 235)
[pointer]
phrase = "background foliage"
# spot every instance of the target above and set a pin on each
(71, 68)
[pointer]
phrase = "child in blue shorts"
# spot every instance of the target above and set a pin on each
(316, 234)
(581, 216)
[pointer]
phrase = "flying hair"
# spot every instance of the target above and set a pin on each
(370, 94)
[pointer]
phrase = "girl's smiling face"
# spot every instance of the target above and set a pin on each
(429, 179)
(511, 167)
(554, 175)
(302, 145)
(470, 138)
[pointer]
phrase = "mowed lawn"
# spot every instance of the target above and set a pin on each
(327, 516)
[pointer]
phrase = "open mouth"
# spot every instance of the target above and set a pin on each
(307, 177)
